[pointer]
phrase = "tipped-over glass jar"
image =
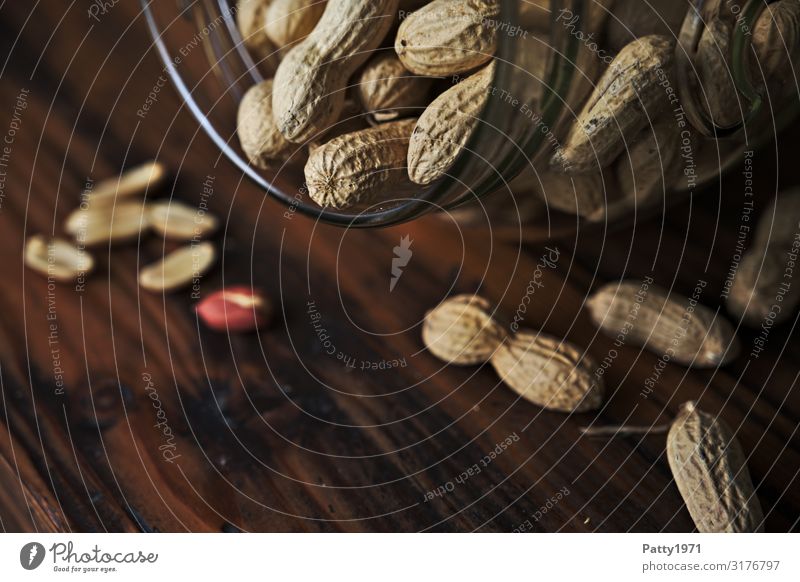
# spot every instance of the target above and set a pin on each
(591, 110)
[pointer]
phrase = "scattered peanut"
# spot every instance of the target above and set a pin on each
(780, 222)
(665, 323)
(462, 330)
(544, 370)
(179, 221)
(56, 258)
(134, 182)
(760, 289)
(107, 224)
(549, 372)
(178, 268)
(710, 470)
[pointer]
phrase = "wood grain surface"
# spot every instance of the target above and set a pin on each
(119, 411)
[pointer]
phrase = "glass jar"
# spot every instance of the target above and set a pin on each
(508, 153)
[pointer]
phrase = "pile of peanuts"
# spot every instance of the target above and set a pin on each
(379, 97)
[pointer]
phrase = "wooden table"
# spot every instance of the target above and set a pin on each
(121, 412)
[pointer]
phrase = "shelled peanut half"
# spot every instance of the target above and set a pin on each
(115, 211)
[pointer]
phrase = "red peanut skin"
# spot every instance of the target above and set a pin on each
(235, 309)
